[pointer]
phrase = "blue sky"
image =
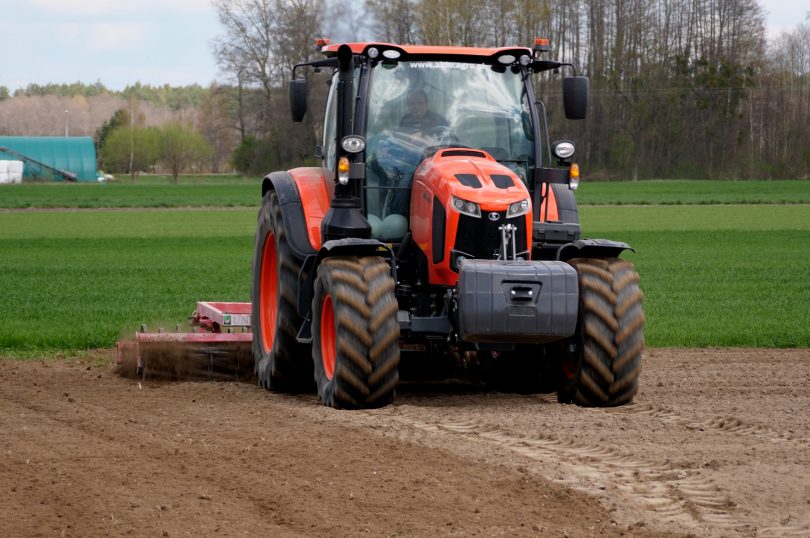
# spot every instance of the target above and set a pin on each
(784, 15)
(155, 42)
(115, 41)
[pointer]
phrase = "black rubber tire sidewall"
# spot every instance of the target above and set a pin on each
(366, 370)
(287, 366)
(609, 336)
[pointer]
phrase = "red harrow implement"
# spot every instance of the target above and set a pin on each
(218, 346)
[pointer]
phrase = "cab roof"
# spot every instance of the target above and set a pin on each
(428, 50)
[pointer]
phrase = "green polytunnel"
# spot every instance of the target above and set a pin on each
(45, 157)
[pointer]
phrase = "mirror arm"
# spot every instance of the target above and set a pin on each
(547, 65)
(326, 62)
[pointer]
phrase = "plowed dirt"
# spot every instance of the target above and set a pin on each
(717, 444)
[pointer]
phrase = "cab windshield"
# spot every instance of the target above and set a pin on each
(419, 106)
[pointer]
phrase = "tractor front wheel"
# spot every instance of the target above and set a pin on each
(355, 333)
(601, 364)
(281, 363)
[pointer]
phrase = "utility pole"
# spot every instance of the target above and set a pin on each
(66, 123)
(131, 138)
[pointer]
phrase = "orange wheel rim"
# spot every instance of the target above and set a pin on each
(328, 339)
(268, 292)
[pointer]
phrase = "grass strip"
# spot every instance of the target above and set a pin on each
(95, 276)
(712, 276)
(232, 191)
(690, 192)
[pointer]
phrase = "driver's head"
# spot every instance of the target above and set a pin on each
(417, 102)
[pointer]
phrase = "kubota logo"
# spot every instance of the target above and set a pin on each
(494, 216)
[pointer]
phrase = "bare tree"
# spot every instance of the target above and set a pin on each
(263, 40)
(394, 21)
(181, 147)
(216, 124)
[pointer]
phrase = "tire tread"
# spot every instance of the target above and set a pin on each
(612, 325)
(367, 362)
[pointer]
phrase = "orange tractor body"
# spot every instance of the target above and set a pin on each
(440, 228)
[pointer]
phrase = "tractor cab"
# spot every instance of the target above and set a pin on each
(408, 102)
(418, 107)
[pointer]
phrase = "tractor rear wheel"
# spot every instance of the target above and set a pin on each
(602, 362)
(281, 363)
(355, 332)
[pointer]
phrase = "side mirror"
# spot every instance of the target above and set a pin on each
(575, 97)
(298, 99)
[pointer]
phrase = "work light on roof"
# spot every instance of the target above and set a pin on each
(373, 52)
(391, 54)
(506, 59)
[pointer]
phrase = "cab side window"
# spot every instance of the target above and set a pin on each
(330, 127)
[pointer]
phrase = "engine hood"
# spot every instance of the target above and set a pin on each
(473, 175)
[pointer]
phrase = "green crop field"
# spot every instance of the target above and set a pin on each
(151, 191)
(78, 280)
(713, 275)
(717, 275)
(233, 191)
(690, 192)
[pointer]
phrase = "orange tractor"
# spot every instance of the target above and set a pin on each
(441, 228)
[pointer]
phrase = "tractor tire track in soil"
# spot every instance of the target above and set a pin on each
(717, 444)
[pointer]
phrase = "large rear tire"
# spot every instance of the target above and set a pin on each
(602, 362)
(355, 346)
(281, 363)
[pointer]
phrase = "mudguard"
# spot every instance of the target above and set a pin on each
(292, 212)
(337, 247)
(592, 248)
(561, 225)
(566, 204)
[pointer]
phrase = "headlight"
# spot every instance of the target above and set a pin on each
(563, 149)
(519, 208)
(466, 208)
(353, 144)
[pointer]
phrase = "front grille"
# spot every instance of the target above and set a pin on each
(481, 238)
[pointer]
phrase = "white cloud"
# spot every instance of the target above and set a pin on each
(99, 36)
(782, 16)
(118, 7)
(112, 36)
(66, 33)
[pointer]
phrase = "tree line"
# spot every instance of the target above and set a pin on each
(173, 97)
(679, 88)
(127, 145)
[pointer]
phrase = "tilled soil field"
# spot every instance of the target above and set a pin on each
(716, 444)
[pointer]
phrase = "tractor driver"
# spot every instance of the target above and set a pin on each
(395, 160)
(419, 116)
